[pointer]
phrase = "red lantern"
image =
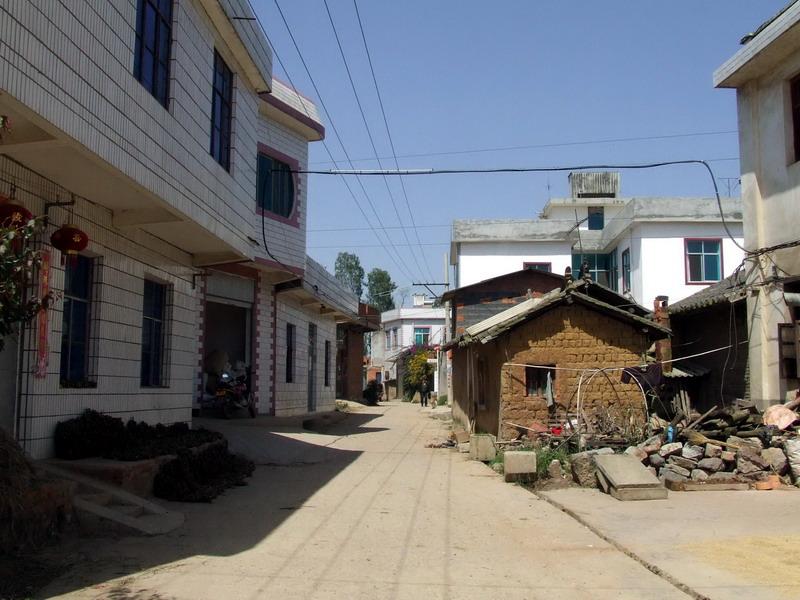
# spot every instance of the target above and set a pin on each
(70, 240)
(14, 215)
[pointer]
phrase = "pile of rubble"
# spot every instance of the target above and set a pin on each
(730, 445)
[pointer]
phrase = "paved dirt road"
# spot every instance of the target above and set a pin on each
(371, 514)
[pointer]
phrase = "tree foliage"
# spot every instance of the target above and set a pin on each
(349, 271)
(380, 289)
(18, 263)
(416, 370)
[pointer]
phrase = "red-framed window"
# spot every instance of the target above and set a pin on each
(703, 260)
(277, 185)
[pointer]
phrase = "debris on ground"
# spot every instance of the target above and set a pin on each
(441, 443)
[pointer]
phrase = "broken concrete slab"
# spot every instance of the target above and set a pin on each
(482, 447)
(463, 448)
(625, 471)
(519, 465)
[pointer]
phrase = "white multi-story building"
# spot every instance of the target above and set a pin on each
(766, 76)
(402, 329)
(643, 247)
(156, 128)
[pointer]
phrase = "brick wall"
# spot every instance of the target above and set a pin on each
(568, 337)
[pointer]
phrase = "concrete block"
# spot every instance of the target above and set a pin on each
(624, 471)
(463, 448)
(482, 447)
(519, 465)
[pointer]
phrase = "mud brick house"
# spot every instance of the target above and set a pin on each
(501, 366)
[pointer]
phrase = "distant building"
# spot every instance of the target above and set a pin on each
(402, 329)
(640, 247)
(765, 75)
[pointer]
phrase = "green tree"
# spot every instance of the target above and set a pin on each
(416, 370)
(349, 271)
(380, 288)
(18, 263)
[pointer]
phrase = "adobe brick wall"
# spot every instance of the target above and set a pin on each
(572, 337)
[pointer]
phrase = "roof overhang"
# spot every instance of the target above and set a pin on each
(286, 114)
(777, 40)
(239, 27)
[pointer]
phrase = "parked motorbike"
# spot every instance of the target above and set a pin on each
(232, 393)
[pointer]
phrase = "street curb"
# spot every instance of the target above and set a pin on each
(646, 564)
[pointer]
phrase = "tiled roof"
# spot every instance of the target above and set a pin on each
(578, 291)
(727, 290)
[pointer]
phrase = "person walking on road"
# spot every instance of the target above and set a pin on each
(423, 393)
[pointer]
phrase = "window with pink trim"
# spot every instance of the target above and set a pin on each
(276, 189)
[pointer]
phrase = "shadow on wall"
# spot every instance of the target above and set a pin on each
(289, 472)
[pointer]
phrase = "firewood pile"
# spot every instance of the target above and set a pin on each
(732, 445)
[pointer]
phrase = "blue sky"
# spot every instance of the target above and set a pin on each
(461, 75)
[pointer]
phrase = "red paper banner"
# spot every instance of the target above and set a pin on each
(43, 323)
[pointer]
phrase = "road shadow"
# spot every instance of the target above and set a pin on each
(293, 466)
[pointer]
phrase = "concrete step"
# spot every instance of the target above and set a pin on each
(132, 510)
(105, 508)
(99, 498)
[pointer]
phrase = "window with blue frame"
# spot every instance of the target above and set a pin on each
(74, 368)
(596, 219)
(153, 334)
(599, 266)
(152, 51)
(422, 335)
(221, 109)
(703, 260)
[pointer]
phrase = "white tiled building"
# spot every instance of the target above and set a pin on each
(766, 76)
(644, 247)
(156, 128)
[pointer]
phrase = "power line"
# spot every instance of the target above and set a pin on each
(488, 170)
(402, 267)
(336, 229)
(557, 145)
(639, 166)
(369, 134)
(375, 245)
(386, 124)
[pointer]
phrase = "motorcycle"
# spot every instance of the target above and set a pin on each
(231, 394)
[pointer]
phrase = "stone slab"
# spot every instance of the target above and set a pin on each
(625, 471)
(482, 447)
(648, 493)
(519, 465)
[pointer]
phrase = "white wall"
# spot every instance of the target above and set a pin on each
(661, 268)
(291, 398)
(771, 193)
(483, 260)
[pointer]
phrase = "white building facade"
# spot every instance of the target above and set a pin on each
(642, 247)
(157, 129)
(766, 76)
(402, 329)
